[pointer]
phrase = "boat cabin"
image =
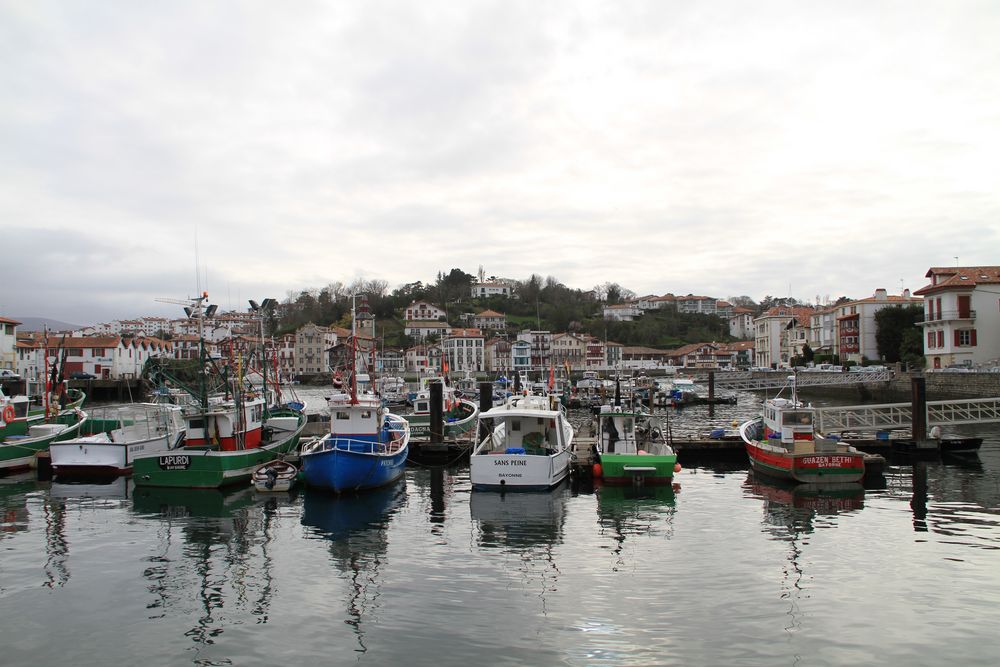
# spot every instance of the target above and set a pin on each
(616, 432)
(528, 425)
(361, 420)
(226, 425)
(787, 422)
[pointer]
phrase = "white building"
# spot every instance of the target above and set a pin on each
(496, 355)
(420, 330)
(961, 316)
(8, 343)
(424, 359)
(520, 352)
(823, 331)
(777, 338)
(106, 357)
(491, 288)
(741, 323)
(311, 344)
(569, 349)
(463, 350)
(541, 347)
(856, 326)
(422, 310)
(622, 312)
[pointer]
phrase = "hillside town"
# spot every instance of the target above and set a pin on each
(960, 330)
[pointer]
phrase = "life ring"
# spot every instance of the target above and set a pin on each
(8, 413)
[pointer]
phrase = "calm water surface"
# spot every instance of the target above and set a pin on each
(723, 569)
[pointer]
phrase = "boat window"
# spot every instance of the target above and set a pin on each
(366, 414)
(343, 415)
(196, 423)
(804, 418)
(515, 424)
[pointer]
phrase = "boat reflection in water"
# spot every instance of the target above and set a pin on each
(791, 507)
(519, 521)
(529, 525)
(631, 511)
(213, 560)
(83, 489)
(14, 490)
(791, 513)
(357, 527)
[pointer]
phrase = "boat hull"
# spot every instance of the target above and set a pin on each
(341, 469)
(636, 468)
(19, 451)
(454, 427)
(420, 426)
(808, 468)
(212, 468)
(518, 472)
(105, 458)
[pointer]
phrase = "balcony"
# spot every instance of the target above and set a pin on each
(950, 315)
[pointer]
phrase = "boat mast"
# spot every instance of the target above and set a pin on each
(354, 350)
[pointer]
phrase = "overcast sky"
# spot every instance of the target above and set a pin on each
(721, 148)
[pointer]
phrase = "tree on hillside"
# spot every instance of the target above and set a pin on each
(453, 286)
(895, 331)
(743, 302)
(612, 293)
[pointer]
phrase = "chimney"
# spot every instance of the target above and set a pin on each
(881, 294)
(906, 294)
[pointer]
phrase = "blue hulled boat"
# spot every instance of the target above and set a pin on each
(366, 447)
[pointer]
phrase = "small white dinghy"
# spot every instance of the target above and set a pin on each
(276, 475)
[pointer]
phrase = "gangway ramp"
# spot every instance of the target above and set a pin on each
(889, 416)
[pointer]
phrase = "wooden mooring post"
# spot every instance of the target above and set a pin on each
(436, 413)
(485, 403)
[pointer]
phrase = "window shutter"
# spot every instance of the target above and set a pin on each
(972, 338)
(956, 337)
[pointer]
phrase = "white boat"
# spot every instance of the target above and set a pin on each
(528, 446)
(275, 476)
(117, 434)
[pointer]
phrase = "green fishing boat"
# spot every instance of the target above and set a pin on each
(22, 438)
(231, 428)
(629, 449)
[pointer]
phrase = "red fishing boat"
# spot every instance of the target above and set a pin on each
(783, 444)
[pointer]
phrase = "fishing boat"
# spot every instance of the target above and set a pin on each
(629, 453)
(528, 445)
(458, 414)
(277, 475)
(783, 444)
(113, 435)
(22, 438)
(231, 428)
(683, 391)
(367, 445)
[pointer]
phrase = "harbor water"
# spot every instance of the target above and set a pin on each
(720, 569)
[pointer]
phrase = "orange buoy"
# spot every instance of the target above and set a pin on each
(598, 471)
(677, 467)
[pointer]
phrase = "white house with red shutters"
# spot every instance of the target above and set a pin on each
(422, 310)
(105, 357)
(961, 316)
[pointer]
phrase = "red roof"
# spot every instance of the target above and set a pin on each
(947, 278)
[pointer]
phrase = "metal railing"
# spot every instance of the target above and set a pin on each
(890, 416)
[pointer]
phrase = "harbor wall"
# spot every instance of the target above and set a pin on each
(940, 386)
